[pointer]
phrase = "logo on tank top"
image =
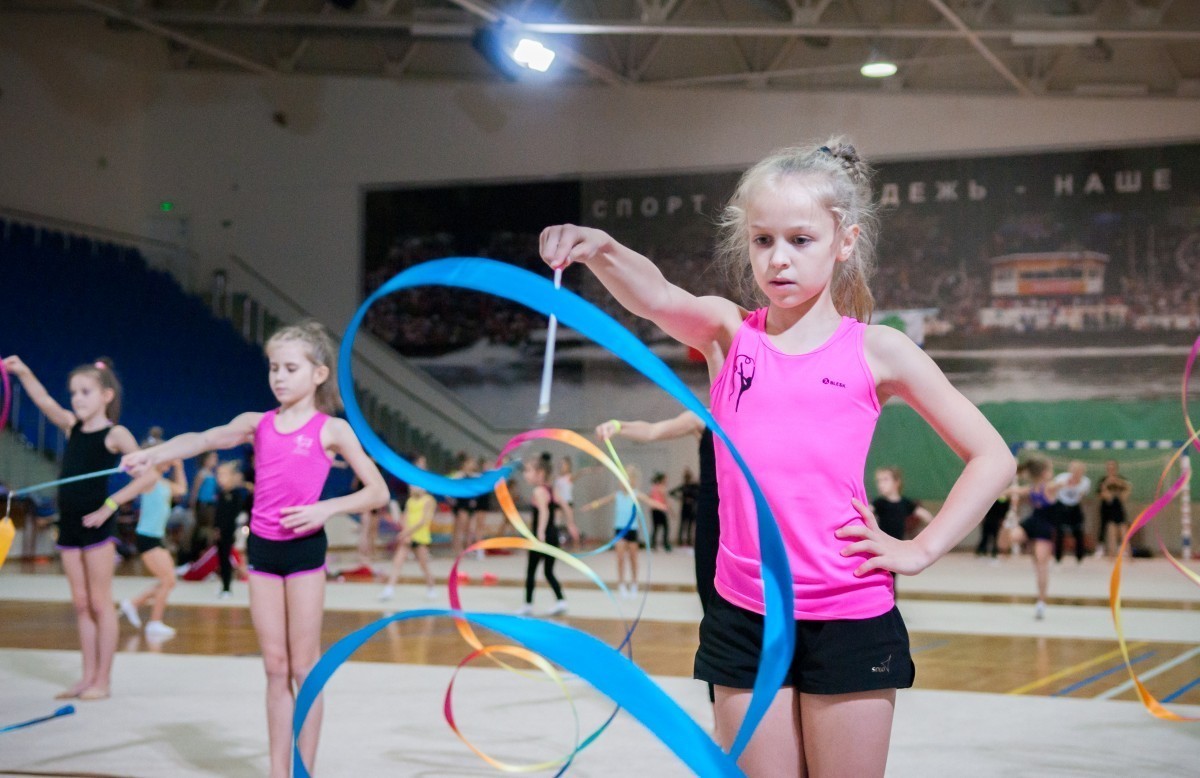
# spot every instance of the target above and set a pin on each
(303, 445)
(743, 377)
(831, 382)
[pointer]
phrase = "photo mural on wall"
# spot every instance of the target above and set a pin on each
(1050, 277)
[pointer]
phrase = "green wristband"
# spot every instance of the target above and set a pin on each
(111, 504)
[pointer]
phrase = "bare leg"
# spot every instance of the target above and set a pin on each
(458, 539)
(622, 552)
(1042, 551)
(158, 561)
(305, 606)
(398, 560)
(72, 562)
(847, 735)
(633, 557)
(268, 611)
(423, 560)
(368, 529)
(777, 746)
(98, 568)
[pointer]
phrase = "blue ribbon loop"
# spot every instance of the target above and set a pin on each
(602, 666)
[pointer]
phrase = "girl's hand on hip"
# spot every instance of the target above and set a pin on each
(97, 517)
(304, 519)
(886, 552)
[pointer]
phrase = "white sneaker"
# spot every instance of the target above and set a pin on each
(430, 593)
(156, 629)
(623, 591)
(525, 610)
(131, 613)
(387, 594)
(479, 554)
(559, 608)
(633, 590)
(224, 595)
(1039, 611)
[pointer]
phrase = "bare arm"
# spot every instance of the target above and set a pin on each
(686, 423)
(902, 369)
(139, 485)
(179, 486)
(705, 323)
(237, 432)
(338, 437)
(59, 416)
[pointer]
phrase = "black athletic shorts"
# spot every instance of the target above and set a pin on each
(284, 558)
(840, 656)
(630, 535)
(72, 533)
(146, 543)
(1039, 525)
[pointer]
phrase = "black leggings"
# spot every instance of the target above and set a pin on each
(687, 527)
(531, 568)
(225, 533)
(1070, 517)
(659, 519)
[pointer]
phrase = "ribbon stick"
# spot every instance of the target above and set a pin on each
(65, 710)
(1151, 703)
(597, 663)
(70, 480)
(8, 530)
(548, 360)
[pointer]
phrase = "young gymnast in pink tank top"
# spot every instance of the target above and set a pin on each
(797, 383)
(293, 447)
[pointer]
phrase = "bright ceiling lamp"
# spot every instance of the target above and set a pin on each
(513, 54)
(533, 55)
(878, 66)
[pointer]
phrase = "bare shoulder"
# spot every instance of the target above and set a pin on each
(337, 434)
(120, 440)
(890, 352)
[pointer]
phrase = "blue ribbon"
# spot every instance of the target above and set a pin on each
(65, 710)
(603, 667)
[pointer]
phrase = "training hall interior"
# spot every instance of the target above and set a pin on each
(180, 180)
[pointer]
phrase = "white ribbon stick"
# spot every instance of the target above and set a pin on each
(548, 362)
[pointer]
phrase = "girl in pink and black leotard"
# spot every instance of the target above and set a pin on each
(293, 447)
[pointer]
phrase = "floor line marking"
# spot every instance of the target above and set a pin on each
(1180, 691)
(1072, 669)
(1104, 674)
(1146, 676)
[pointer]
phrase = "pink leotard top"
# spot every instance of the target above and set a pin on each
(803, 423)
(289, 469)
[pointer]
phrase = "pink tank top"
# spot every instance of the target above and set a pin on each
(803, 423)
(289, 469)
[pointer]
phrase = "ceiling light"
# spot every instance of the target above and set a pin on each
(533, 55)
(878, 66)
(514, 55)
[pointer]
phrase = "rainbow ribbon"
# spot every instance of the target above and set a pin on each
(1152, 704)
(604, 667)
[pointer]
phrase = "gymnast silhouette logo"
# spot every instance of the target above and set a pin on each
(883, 667)
(303, 445)
(744, 371)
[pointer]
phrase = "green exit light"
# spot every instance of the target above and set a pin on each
(166, 205)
